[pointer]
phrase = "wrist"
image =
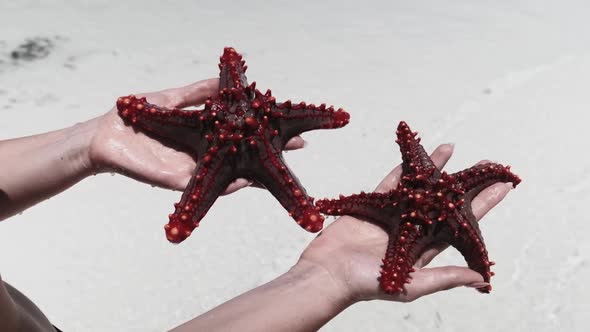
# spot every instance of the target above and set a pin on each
(78, 139)
(329, 288)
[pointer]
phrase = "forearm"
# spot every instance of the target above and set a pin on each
(37, 167)
(303, 299)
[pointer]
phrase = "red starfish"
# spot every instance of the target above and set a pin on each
(426, 207)
(240, 133)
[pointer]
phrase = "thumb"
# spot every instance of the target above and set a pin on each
(448, 277)
(237, 185)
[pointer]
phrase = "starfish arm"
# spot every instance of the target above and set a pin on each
(232, 71)
(374, 206)
(469, 242)
(407, 242)
(172, 124)
(416, 161)
(295, 119)
(473, 180)
(212, 175)
(270, 170)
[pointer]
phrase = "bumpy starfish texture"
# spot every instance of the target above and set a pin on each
(240, 133)
(427, 207)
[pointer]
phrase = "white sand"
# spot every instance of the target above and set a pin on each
(504, 80)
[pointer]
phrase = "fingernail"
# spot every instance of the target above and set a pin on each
(305, 143)
(479, 284)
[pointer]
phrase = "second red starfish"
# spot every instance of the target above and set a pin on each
(240, 133)
(427, 207)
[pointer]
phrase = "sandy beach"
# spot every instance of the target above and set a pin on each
(505, 80)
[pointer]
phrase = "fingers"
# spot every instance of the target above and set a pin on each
(237, 185)
(428, 281)
(488, 198)
(295, 143)
(429, 254)
(440, 156)
(192, 94)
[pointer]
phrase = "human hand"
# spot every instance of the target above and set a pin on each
(351, 249)
(119, 148)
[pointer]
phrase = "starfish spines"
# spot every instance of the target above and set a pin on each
(209, 180)
(416, 161)
(232, 73)
(469, 243)
(177, 231)
(481, 175)
(177, 126)
(436, 204)
(284, 185)
(397, 264)
(298, 118)
(366, 205)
